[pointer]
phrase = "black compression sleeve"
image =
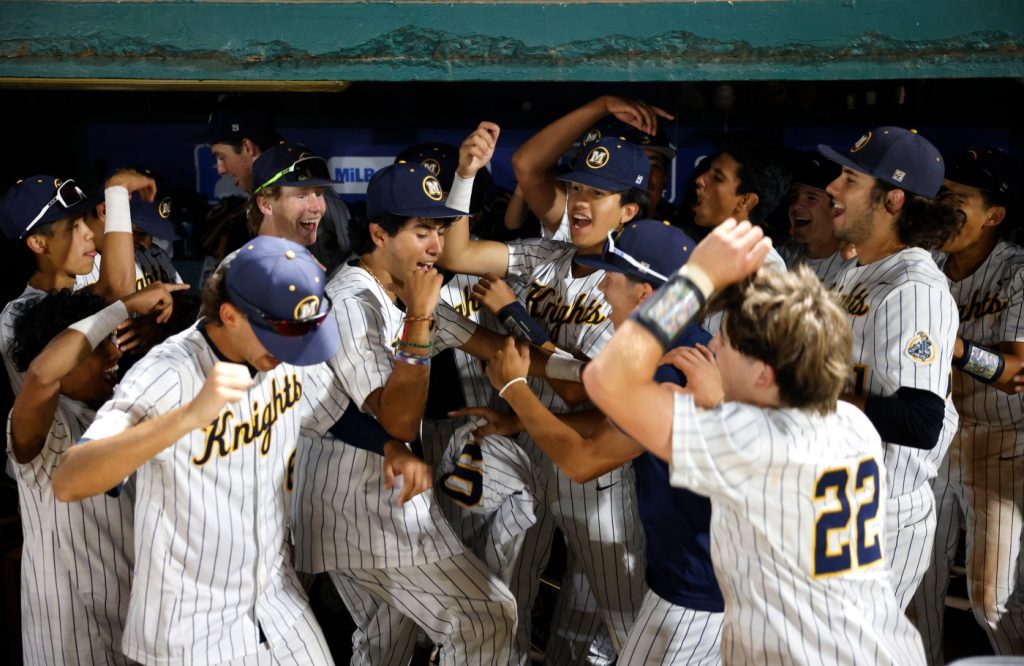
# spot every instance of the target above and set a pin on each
(912, 417)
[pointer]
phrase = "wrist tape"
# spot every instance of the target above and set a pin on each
(99, 326)
(119, 215)
(461, 194)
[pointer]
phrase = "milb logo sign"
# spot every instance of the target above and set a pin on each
(353, 172)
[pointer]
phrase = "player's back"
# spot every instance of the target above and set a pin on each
(798, 521)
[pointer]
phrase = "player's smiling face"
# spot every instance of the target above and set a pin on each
(93, 380)
(622, 294)
(70, 246)
(853, 206)
(416, 246)
(971, 209)
(810, 214)
(295, 214)
(717, 199)
(235, 164)
(593, 213)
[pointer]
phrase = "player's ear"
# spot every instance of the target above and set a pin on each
(765, 378)
(263, 203)
(629, 211)
(894, 200)
(377, 234)
(37, 243)
(994, 216)
(229, 315)
(250, 149)
(747, 203)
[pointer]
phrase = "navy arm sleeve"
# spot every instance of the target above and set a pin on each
(912, 417)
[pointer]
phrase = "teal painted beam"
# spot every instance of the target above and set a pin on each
(414, 41)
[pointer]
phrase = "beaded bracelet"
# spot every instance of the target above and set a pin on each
(415, 345)
(411, 359)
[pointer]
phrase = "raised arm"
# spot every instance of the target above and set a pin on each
(117, 269)
(98, 465)
(534, 162)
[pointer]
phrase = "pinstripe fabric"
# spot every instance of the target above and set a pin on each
(828, 269)
(74, 585)
(10, 313)
(303, 644)
(904, 324)
(212, 567)
(599, 518)
(980, 486)
(778, 480)
(665, 633)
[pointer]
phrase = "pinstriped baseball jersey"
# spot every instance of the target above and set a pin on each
(904, 323)
(796, 532)
(991, 306)
(344, 518)
(151, 265)
(211, 565)
(713, 321)
(76, 557)
(828, 269)
(10, 314)
(458, 293)
(490, 477)
(572, 310)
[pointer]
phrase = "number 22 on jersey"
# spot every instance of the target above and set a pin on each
(846, 510)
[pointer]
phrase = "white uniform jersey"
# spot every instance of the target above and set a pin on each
(76, 557)
(991, 305)
(458, 293)
(10, 314)
(797, 529)
(562, 233)
(490, 478)
(151, 265)
(572, 310)
(343, 516)
(713, 321)
(904, 323)
(828, 269)
(212, 568)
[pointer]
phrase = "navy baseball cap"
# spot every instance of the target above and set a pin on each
(440, 159)
(613, 164)
(231, 121)
(984, 168)
(611, 126)
(39, 200)
(290, 165)
(407, 189)
(279, 286)
(814, 170)
(156, 217)
(900, 157)
(651, 250)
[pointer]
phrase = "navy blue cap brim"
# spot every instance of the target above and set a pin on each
(312, 182)
(163, 229)
(614, 264)
(314, 347)
(426, 212)
(841, 159)
(594, 180)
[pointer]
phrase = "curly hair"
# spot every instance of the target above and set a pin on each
(39, 322)
(922, 222)
(792, 323)
(762, 171)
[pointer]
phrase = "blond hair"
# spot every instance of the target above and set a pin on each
(253, 215)
(792, 323)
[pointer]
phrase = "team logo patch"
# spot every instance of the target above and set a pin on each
(898, 175)
(432, 166)
(861, 142)
(598, 157)
(432, 188)
(163, 209)
(234, 127)
(639, 180)
(592, 136)
(307, 308)
(921, 348)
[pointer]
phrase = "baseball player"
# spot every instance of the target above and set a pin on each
(811, 242)
(904, 326)
(76, 558)
(210, 419)
(388, 549)
(978, 485)
(681, 615)
(239, 135)
(562, 297)
(795, 476)
(45, 217)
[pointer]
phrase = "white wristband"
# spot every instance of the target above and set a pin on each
(99, 326)
(700, 279)
(119, 212)
(501, 393)
(562, 365)
(461, 194)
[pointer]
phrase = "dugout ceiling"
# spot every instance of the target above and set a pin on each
(319, 45)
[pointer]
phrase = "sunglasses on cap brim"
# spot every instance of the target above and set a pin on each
(609, 248)
(68, 195)
(304, 168)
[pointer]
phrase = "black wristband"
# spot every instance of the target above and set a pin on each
(518, 322)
